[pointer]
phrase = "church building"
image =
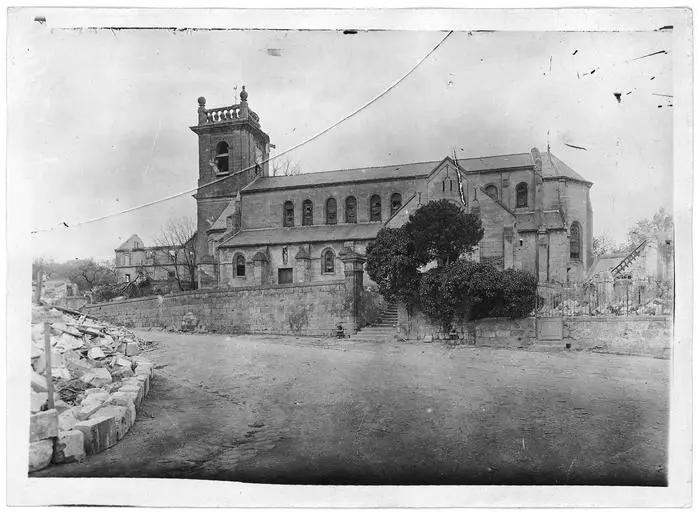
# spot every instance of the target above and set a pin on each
(255, 229)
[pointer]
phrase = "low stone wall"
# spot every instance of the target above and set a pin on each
(304, 309)
(487, 332)
(634, 335)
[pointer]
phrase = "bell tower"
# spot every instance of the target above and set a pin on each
(233, 151)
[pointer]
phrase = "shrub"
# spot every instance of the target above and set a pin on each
(519, 293)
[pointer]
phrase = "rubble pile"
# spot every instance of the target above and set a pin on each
(98, 377)
(572, 307)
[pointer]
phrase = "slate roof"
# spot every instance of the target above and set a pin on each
(605, 263)
(220, 224)
(304, 234)
(553, 167)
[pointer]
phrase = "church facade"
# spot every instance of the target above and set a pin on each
(259, 230)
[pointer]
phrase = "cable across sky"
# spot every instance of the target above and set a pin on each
(280, 154)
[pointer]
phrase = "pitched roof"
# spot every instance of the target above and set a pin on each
(553, 167)
(220, 223)
(304, 234)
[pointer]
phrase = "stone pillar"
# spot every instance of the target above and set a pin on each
(542, 257)
(259, 269)
(508, 247)
(302, 266)
(353, 285)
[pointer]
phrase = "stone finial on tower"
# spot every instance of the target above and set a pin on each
(537, 160)
(244, 109)
(202, 109)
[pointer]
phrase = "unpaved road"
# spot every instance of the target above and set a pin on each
(276, 409)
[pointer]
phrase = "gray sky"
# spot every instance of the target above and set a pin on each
(98, 120)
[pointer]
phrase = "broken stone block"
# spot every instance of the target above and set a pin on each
(97, 377)
(87, 408)
(99, 434)
(96, 394)
(38, 332)
(43, 425)
(122, 373)
(38, 400)
(145, 366)
(134, 389)
(122, 361)
(40, 454)
(121, 415)
(67, 419)
(79, 367)
(124, 400)
(96, 353)
(38, 382)
(145, 379)
(60, 406)
(61, 372)
(131, 348)
(70, 447)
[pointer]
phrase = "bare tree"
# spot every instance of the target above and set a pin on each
(284, 167)
(177, 243)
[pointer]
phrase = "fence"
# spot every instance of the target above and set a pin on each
(619, 297)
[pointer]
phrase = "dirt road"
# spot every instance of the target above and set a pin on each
(287, 410)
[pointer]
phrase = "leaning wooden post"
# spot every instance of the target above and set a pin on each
(47, 355)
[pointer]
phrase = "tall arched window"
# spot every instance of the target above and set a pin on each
(521, 195)
(307, 212)
(331, 211)
(239, 266)
(395, 203)
(350, 210)
(328, 261)
(375, 205)
(288, 213)
(491, 191)
(575, 241)
(221, 158)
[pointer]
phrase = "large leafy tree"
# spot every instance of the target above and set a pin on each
(390, 262)
(660, 222)
(442, 231)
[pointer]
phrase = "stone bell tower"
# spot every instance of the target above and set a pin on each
(233, 151)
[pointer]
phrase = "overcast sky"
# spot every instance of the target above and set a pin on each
(98, 120)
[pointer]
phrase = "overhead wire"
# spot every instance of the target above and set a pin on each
(282, 153)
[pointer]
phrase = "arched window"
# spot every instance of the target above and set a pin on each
(331, 211)
(288, 213)
(350, 210)
(375, 204)
(521, 195)
(328, 261)
(575, 241)
(395, 203)
(307, 212)
(239, 266)
(221, 158)
(491, 191)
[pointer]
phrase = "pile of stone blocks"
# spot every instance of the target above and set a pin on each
(99, 382)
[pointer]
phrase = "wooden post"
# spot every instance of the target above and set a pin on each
(39, 279)
(47, 355)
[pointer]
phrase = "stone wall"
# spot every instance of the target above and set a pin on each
(307, 309)
(633, 335)
(636, 335)
(487, 332)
